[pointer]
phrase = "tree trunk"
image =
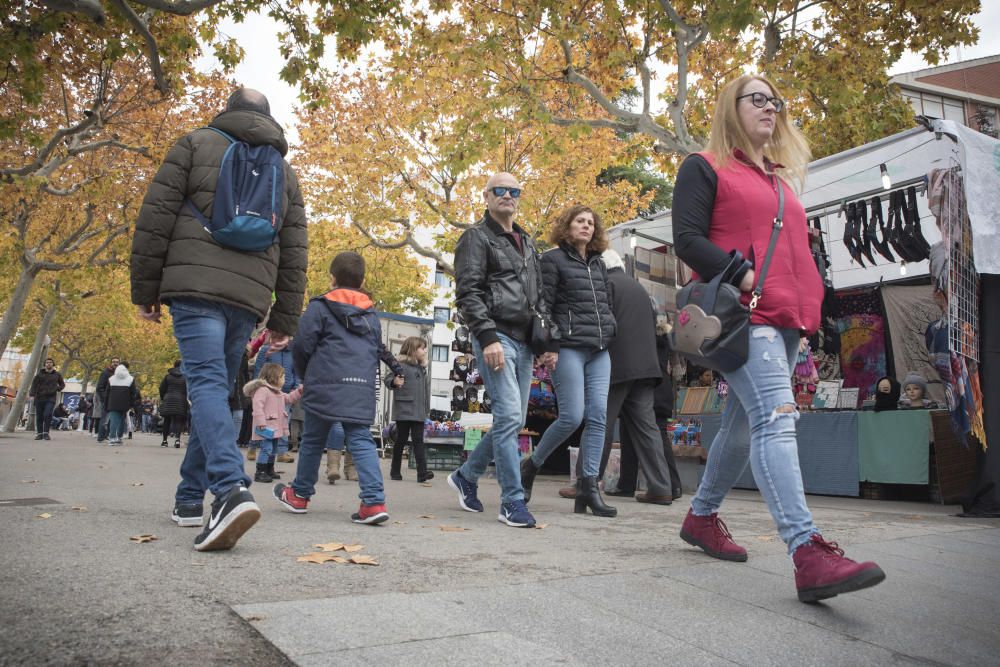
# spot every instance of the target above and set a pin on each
(8, 327)
(33, 363)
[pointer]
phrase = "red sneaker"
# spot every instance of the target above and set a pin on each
(710, 534)
(822, 571)
(289, 500)
(370, 514)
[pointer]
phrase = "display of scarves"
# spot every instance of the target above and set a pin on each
(862, 351)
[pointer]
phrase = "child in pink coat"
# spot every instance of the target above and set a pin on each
(269, 422)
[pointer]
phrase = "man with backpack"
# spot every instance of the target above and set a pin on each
(221, 229)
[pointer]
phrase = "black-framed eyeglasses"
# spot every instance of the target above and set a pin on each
(500, 191)
(760, 101)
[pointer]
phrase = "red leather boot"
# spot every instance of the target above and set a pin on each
(822, 571)
(710, 534)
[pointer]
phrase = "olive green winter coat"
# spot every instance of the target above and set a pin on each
(174, 256)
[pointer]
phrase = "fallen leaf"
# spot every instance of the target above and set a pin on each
(315, 558)
(338, 559)
(541, 526)
(363, 560)
(914, 516)
(103, 467)
(351, 548)
(79, 509)
(452, 529)
(29, 459)
(329, 546)
(401, 523)
(426, 516)
(766, 538)
(29, 481)
(145, 537)
(136, 483)
(43, 515)
(253, 619)
(426, 484)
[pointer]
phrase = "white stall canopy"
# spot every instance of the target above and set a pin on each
(908, 157)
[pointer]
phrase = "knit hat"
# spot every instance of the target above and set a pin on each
(917, 379)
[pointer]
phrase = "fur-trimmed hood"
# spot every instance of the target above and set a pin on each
(253, 385)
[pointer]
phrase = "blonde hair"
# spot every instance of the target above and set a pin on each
(409, 349)
(787, 146)
(559, 231)
(273, 374)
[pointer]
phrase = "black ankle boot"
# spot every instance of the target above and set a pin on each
(262, 474)
(528, 472)
(397, 462)
(420, 454)
(589, 495)
(270, 470)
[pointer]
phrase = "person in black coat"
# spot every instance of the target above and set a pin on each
(577, 294)
(173, 403)
(635, 375)
(100, 411)
(44, 388)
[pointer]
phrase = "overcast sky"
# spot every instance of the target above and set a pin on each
(260, 67)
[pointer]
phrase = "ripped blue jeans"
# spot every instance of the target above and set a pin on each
(758, 425)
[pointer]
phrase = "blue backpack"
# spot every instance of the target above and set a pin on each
(246, 213)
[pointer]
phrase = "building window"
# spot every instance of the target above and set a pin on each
(441, 278)
(935, 106)
(439, 353)
(441, 315)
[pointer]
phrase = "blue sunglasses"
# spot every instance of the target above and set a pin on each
(500, 191)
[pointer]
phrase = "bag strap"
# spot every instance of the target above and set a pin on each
(775, 230)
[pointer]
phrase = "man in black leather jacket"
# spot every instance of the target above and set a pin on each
(497, 286)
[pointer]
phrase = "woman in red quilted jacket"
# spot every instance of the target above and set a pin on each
(725, 199)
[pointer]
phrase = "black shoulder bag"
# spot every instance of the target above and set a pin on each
(713, 325)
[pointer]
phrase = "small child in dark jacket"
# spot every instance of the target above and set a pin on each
(336, 355)
(410, 406)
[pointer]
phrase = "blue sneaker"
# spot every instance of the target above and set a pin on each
(515, 513)
(466, 492)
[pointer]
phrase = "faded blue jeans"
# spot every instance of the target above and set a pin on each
(754, 430)
(581, 379)
(211, 337)
(316, 433)
(509, 389)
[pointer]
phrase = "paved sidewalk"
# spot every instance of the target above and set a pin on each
(584, 590)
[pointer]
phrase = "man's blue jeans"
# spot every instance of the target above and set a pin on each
(211, 337)
(581, 380)
(316, 433)
(509, 389)
(753, 429)
(43, 414)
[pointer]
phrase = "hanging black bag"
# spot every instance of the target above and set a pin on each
(713, 325)
(541, 331)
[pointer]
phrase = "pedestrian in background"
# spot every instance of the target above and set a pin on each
(173, 403)
(45, 388)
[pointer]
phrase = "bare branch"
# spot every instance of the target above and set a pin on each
(77, 233)
(114, 143)
(89, 8)
(570, 75)
(180, 7)
(152, 50)
(56, 139)
(66, 192)
(408, 240)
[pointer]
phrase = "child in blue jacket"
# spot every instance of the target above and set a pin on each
(336, 354)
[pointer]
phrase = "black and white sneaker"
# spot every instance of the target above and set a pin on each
(232, 515)
(188, 515)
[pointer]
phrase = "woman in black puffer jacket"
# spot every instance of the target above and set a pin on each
(173, 403)
(575, 289)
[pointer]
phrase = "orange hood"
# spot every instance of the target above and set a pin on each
(351, 297)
